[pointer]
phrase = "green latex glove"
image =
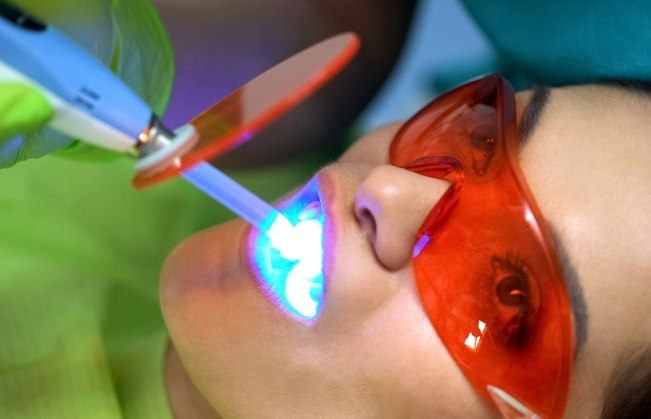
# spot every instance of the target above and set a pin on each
(22, 109)
(126, 35)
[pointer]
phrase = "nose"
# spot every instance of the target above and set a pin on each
(390, 205)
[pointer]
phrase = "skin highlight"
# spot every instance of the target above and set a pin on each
(373, 352)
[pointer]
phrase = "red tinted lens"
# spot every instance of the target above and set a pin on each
(484, 263)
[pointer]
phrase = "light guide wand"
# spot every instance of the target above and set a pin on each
(242, 202)
(290, 258)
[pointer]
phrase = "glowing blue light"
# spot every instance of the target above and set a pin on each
(289, 256)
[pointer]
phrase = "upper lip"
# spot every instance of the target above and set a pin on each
(331, 207)
(328, 195)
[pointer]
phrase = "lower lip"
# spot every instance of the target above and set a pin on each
(296, 286)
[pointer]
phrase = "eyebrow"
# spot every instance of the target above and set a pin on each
(532, 113)
(575, 291)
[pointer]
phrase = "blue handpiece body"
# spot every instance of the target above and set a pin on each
(54, 61)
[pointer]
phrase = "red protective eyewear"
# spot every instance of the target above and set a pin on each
(484, 261)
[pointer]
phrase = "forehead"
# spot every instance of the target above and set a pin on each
(588, 164)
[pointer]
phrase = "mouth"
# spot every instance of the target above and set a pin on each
(294, 282)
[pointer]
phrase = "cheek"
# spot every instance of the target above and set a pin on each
(399, 352)
(372, 148)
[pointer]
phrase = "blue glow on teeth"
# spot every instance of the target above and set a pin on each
(289, 256)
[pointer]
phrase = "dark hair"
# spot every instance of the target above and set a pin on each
(637, 86)
(628, 395)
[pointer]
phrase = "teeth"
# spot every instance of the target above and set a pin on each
(298, 290)
(311, 211)
(290, 257)
(281, 236)
(302, 279)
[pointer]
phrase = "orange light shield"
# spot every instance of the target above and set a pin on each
(244, 112)
(484, 262)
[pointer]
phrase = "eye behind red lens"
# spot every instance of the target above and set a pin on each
(505, 319)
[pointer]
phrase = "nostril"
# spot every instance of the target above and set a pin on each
(390, 205)
(366, 220)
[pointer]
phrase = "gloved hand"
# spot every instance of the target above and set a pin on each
(126, 35)
(22, 109)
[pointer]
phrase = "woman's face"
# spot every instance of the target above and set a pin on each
(372, 351)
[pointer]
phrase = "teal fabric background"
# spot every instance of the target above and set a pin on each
(561, 42)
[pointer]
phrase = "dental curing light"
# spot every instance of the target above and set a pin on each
(92, 104)
(89, 102)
